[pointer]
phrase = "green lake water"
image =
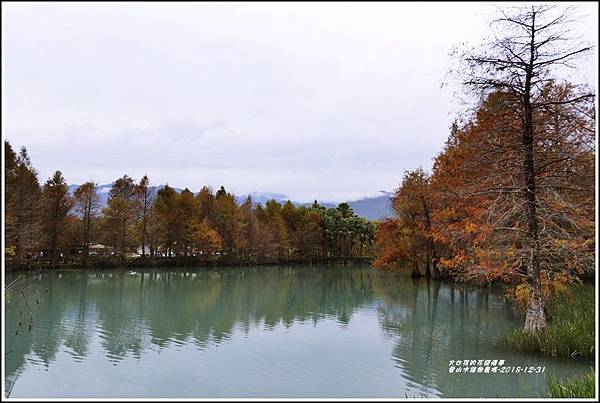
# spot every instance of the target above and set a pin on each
(301, 331)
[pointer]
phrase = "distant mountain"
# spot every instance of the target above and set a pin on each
(102, 190)
(371, 208)
(262, 197)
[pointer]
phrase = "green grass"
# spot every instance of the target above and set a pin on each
(570, 330)
(578, 387)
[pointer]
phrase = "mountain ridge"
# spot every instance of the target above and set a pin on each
(371, 208)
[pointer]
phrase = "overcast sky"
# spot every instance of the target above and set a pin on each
(327, 101)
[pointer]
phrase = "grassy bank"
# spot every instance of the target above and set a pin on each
(569, 334)
(570, 330)
(579, 387)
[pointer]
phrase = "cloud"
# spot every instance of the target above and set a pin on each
(312, 100)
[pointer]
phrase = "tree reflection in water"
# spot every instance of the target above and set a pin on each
(129, 313)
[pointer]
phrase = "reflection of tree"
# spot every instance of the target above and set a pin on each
(78, 335)
(429, 323)
(131, 311)
(432, 323)
(117, 301)
(47, 331)
(20, 340)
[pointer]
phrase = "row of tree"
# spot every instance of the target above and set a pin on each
(511, 196)
(50, 224)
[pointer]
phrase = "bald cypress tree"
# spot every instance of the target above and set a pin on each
(528, 47)
(22, 202)
(56, 203)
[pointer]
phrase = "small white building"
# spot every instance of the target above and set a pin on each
(97, 249)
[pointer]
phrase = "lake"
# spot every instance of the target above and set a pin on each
(300, 331)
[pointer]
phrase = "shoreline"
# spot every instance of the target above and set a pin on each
(183, 262)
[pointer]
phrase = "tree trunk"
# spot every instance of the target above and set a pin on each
(144, 231)
(434, 264)
(535, 319)
(86, 239)
(430, 242)
(18, 247)
(428, 268)
(415, 271)
(53, 243)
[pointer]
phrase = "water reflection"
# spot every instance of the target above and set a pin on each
(433, 323)
(338, 324)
